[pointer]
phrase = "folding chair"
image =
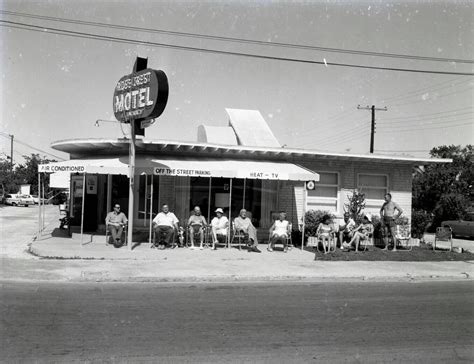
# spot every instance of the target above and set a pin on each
(444, 233)
(225, 240)
(331, 243)
(177, 236)
(107, 235)
(289, 240)
(403, 236)
(197, 237)
(241, 237)
(367, 242)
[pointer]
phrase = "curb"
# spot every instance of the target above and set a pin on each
(248, 280)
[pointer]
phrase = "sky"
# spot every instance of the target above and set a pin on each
(55, 87)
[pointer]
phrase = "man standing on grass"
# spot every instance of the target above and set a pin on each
(387, 213)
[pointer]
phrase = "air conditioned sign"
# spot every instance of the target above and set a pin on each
(140, 96)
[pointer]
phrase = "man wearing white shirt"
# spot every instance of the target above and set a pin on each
(165, 224)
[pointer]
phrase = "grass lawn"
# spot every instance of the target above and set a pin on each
(423, 253)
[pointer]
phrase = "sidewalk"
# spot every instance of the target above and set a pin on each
(69, 260)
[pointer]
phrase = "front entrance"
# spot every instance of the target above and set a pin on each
(211, 193)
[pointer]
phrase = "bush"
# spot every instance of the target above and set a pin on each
(450, 207)
(377, 227)
(312, 219)
(420, 220)
(356, 204)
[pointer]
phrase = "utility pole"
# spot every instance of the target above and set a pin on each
(372, 125)
(11, 153)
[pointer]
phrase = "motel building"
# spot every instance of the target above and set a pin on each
(241, 165)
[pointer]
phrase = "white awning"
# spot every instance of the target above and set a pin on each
(202, 167)
(232, 169)
(93, 166)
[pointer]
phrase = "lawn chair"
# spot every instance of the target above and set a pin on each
(289, 240)
(443, 233)
(403, 236)
(367, 242)
(108, 235)
(329, 246)
(239, 236)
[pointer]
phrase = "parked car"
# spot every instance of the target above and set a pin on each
(19, 200)
(36, 199)
(461, 227)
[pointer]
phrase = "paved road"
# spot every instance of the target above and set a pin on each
(278, 323)
(18, 225)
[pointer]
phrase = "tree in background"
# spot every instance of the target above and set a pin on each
(7, 179)
(26, 173)
(445, 190)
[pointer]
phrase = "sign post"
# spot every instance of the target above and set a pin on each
(139, 98)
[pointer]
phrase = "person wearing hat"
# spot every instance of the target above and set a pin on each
(362, 232)
(219, 226)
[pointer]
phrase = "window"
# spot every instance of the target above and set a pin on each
(374, 186)
(326, 194)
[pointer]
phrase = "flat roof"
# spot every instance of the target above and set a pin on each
(95, 146)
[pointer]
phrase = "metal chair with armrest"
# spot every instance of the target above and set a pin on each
(108, 235)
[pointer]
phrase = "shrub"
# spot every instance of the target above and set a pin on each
(377, 227)
(312, 219)
(420, 220)
(356, 204)
(450, 207)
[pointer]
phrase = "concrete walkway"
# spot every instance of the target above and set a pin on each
(69, 260)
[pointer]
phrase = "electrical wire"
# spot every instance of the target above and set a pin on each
(432, 87)
(422, 122)
(49, 30)
(424, 129)
(437, 97)
(16, 140)
(237, 40)
(435, 113)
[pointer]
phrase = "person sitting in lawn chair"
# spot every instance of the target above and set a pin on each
(165, 225)
(219, 228)
(196, 225)
(363, 232)
(115, 221)
(325, 233)
(244, 225)
(346, 229)
(279, 232)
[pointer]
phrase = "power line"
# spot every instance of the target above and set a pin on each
(37, 149)
(437, 97)
(16, 140)
(426, 88)
(427, 125)
(348, 138)
(319, 126)
(49, 30)
(238, 40)
(435, 113)
(331, 138)
(411, 151)
(424, 129)
(427, 121)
